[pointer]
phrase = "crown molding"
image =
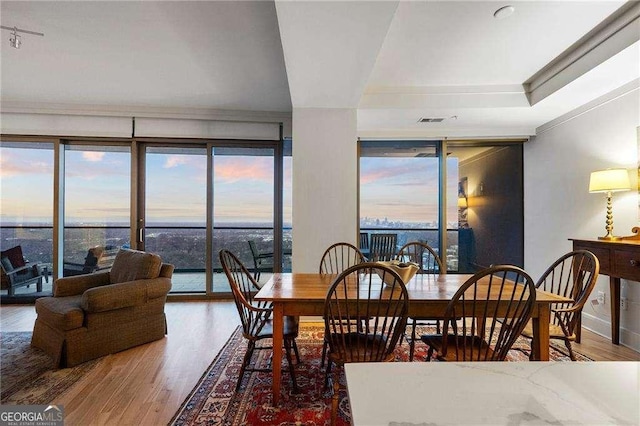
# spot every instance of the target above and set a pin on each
(620, 30)
(589, 106)
(489, 96)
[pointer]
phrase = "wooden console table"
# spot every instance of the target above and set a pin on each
(618, 259)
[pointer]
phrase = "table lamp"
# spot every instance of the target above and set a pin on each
(609, 181)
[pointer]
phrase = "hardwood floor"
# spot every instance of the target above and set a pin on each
(146, 385)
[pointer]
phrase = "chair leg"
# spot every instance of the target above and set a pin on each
(327, 373)
(429, 354)
(292, 372)
(532, 350)
(245, 362)
(324, 353)
(412, 343)
(572, 355)
(295, 350)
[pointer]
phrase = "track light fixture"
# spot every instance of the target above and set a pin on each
(15, 40)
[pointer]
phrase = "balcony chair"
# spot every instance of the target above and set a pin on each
(16, 271)
(364, 244)
(335, 260)
(356, 293)
(428, 262)
(93, 315)
(383, 247)
(262, 262)
(256, 316)
(97, 259)
(573, 275)
(484, 332)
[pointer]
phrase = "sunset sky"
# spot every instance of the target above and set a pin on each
(97, 187)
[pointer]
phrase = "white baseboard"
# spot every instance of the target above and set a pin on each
(597, 325)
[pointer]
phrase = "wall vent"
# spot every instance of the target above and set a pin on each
(431, 120)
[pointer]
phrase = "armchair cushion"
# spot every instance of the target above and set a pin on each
(131, 265)
(62, 313)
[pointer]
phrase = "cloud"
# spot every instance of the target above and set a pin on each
(175, 161)
(93, 156)
(234, 169)
(412, 169)
(23, 163)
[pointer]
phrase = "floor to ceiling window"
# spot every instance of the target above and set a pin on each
(401, 188)
(400, 193)
(97, 197)
(175, 214)
(184, 200)
(243, 208)
(26, 208)
(492, 207)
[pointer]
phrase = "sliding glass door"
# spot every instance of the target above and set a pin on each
(175, 213)
(97, 197)
(243, 209)
(400, 192)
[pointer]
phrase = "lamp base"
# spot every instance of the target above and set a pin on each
(610, 238)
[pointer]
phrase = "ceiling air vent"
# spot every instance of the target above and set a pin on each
(431, 120)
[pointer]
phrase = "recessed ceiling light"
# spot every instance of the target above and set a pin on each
(504, 12)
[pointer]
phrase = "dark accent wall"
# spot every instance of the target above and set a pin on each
(496, 207)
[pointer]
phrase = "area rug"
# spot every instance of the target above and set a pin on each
(214, 401)
(28, 376)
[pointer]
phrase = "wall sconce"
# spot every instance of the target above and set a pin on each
(463, 203)
(609, 181)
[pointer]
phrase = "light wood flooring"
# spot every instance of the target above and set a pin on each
(147, 384)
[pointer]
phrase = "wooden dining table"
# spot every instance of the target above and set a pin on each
(303, 294)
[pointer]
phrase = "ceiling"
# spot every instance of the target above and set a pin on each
(394, 61)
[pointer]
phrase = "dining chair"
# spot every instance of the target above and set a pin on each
(356, 293)
(428, 262)
(336, 259)
(364, 243)
(485, 330)
(383, 247)
(255, 316)
(572, 275)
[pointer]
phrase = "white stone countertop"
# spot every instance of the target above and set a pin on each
(494, 393)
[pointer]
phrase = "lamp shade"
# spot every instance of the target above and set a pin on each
(610, 180)
(462, 202)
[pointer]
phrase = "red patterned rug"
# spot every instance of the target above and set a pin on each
(214, 401)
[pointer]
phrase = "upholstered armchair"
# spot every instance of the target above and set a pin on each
(93, 315)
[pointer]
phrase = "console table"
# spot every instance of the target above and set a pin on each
(618, 259)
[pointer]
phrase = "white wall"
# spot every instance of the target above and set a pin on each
(558, 205)
(325, 182)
